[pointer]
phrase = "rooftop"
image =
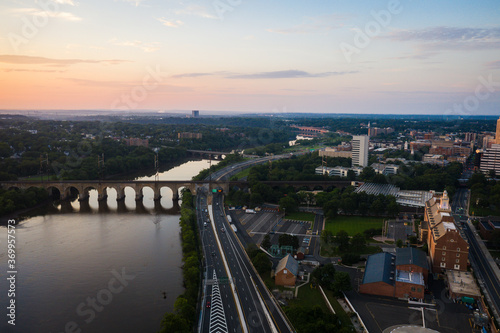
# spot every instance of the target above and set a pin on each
(409, 277)
(462, 283)
(380, 268)
(289, 263)
(411, 256)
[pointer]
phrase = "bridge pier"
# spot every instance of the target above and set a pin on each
(103, 195)
(175, 196)
(139, 195)
(120, 194)
(157, 195)
(84, 195)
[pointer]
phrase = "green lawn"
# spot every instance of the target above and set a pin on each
(243, 173)
(300, 216)
(478, 211)
(353, 224)
(309, 297)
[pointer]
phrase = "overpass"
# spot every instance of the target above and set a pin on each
(65, 188)
(207, 152)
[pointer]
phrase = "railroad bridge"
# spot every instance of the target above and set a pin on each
(64, 189)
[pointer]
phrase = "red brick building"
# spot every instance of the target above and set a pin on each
(401, 275)
(447, 248)
(286, 271)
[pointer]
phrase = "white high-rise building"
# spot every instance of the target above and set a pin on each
(360, 145)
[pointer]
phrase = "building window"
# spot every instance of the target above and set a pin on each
(458, 255)
(412, 288)
(444, 253)
(444, 247)
(443, 264)
(458, 249)
(452, 240)
(457, 266)
(457, 261)
(443, 259)
(419, 290)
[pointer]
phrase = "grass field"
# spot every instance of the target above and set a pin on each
(300, 216)
(243, 173)
(353, 224)
(310, 297)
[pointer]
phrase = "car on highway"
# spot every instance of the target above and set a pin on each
(222, 229)
(208, 304)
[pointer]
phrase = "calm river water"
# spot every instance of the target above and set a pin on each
(99, 267)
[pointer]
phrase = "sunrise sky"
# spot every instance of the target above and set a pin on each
(420, 57)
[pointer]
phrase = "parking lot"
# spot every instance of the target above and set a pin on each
(259, 224)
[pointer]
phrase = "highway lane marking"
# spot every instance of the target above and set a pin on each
(218, 321)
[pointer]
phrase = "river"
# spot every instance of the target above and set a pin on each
(97, 266)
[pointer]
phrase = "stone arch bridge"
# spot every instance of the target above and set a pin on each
(82, 187)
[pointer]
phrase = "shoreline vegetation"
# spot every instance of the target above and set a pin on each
(183, 318)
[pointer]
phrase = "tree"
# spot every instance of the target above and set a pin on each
(326, 236)
(342, 240)
(358, 243)
(342, 282)
(288, 204)
(350, 258)
(399, 243)
(325, 275)
(261, 262)
(266, 243)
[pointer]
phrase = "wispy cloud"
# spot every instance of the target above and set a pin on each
(30, 60)
(450, 38)
(196, 10)
(318, 24)
(134, 2)
(179, 76)
(493, 64)
(287, 74)
(172, 24)
(38, 12)
(65, 2)
(146, 47)
(8, 70)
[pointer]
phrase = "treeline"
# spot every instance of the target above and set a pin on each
(13, 200)
(183, 319)
(485, 195)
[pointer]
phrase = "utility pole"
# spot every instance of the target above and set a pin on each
(157, 166)
(44, 159)
(100, 166)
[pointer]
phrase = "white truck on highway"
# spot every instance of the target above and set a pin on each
(250, 211)
(229, 219)
(234, 228)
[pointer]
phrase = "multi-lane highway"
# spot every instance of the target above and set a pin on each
(261, 313)
(241, 303)
(476, 255)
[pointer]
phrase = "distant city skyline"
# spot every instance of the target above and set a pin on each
(388, 57)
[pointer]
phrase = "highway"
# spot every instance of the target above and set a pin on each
(261, 312)
(476, 255)
(258, 311)
(222, 315)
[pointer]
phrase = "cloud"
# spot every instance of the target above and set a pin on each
(134, 2)
(179, 76)
(450, 38)
(493, 64)
(8, 70)
(65, 2)
(38, 12)
(287, 74)
(30, 60)
(172, 24)
(124, 84)
(195, 10)
(318, 24)
(146, 47)
(264, 75)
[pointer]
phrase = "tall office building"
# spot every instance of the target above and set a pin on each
(360, 150)
(497, 137)
(490, 160)
(195, 113)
